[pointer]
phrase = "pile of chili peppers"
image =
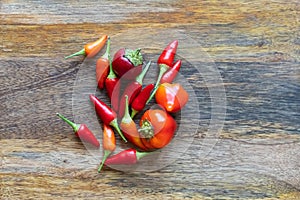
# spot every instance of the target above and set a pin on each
(127, 68)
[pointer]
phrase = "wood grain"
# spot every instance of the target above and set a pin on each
(255, 47)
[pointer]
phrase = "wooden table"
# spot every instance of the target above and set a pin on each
(254, 46)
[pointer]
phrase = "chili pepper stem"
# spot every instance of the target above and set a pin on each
(134, 56)
(146, 130)
(105, 156)
(81, 52)
(140, 155)
(141, 76)
(133, 113)
(107, 52)
(162, 69)
(112, 74)
(114, 124)
(126, 118)
(72, 124)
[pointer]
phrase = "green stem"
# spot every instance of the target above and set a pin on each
(72, 124)
(134, 56)
(133, 113)
(81, 52)
(141, 76)
(137, 51)
(140, 155)
(111, 74)
(106, 154)
(107, 52)
(162, 69)
(114, 124)
(146, 130)
(126, 118)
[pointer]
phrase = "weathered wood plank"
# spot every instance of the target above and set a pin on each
(239, 31)
(233, 169)
(255, 48)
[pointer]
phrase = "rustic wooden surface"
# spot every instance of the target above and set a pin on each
(255, 47)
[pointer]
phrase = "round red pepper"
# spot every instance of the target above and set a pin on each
(157, 128)
(172, 97)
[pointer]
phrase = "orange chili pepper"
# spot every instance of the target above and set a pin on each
(129, 128)
(109, 144)
(102, 66)
(172, 97)
(91, 49)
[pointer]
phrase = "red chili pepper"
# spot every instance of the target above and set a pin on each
(109, 143)
(106, 114)
(168, 55)
(126, 157)
(157, 128)
(112, 86)
(139, 102)
(164, 62)
(81, 131)
(129, 128)
(102, 67)
(132, 90)
(126, 60)
(172, 96)
(91, 49)
(171, 74)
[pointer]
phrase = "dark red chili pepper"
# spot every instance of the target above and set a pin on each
(126, 60)
(171, 74)
(81, 131)
(129, 128)
(112, 87)
(132, 90)
(140, 100)
(126, 157)
(102, 67)
(109, 143)
(91, 49)
(164, 62)
(106, 114)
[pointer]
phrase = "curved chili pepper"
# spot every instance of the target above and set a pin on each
(129, 128)
(126, 157)
(132, 90)
(171, 74)
(102, 66)
(112, 86)
(127, 60)
(81, 131)
(164, 62)
(91, 49)
(106, 114)
(168, 54)
(139, 102)
(109, 144)
(172, 96)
